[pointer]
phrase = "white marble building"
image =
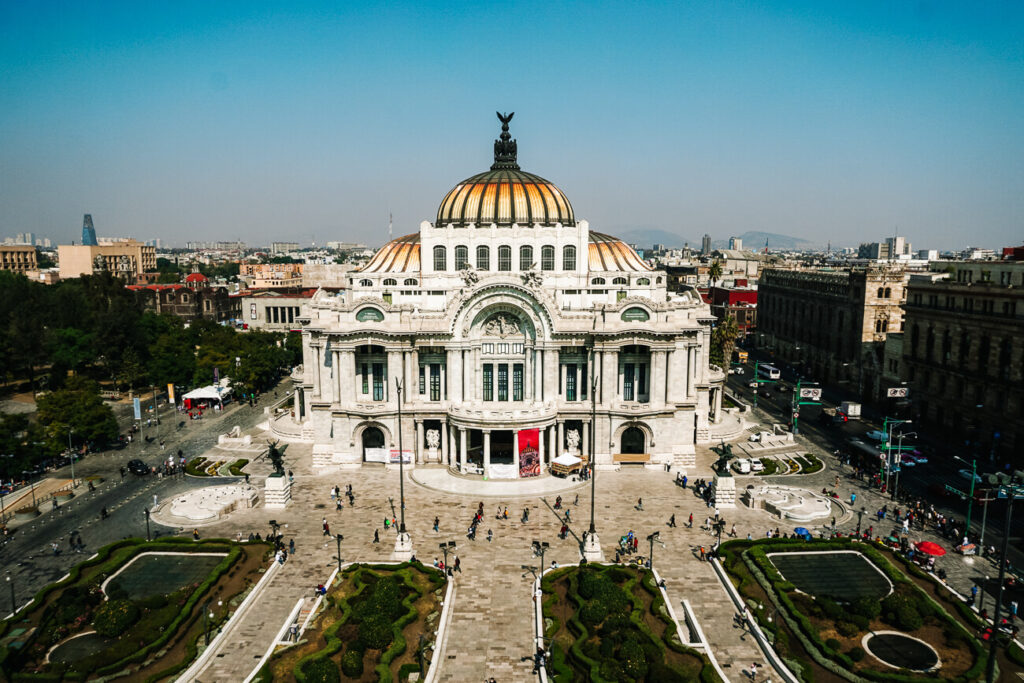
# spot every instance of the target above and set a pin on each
(498, 319)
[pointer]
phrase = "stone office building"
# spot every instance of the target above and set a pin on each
(511, 327)
(963, 354)
(832, 324)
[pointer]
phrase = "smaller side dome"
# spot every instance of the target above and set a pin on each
(400, 255)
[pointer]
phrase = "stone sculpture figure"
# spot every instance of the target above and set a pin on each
(433, 439)
(721, 465)
(573, 441)
(469, 277)
(276, 459)
(501, 325)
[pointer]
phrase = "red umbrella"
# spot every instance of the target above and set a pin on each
(929, 548)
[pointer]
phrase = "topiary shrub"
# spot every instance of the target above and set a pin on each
(593, 613)
(866, 607)
(634, 662)
(113, 617)
(831, 608)
(856, 653)
(352, 663)
(320, 670)
(833, 644)
(908, 618)
(846, 629)
(861, 621)
(375, 632)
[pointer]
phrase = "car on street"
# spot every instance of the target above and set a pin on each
(877, 435)
(966, 474)
(756, 465)
(907, 460)
(138, 467)
(742, 465)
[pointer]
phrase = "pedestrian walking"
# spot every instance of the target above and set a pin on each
(672, 520)
(327, 527)
(576, 500)
(437, 523)
(753, 671)
(690, 523)
(291, 546)
(732, 532)
(490, 535)
(640, 504)
(376, 536)
(458, 564)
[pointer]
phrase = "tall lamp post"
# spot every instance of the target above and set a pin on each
(652, 538)
(339, 538)
(592, 546)
(10, 584)
(146, 510)
(899, 454)
(1013, 488)
(970, 494)
(71, 454)
(446, 547)
(403, 544)
(539, 548)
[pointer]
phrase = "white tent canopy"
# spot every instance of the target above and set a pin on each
(566, 460)
(210, 393)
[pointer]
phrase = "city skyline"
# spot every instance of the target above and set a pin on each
(315, 123)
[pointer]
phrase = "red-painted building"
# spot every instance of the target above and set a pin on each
(739, 302)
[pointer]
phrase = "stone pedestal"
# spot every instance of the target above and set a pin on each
(592, 549)
(403, 548)
(725, 491)
(277, 492)
(433, 455)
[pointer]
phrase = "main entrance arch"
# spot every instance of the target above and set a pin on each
(373, 437)
(634, 441)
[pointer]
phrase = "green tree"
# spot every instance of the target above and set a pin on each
(715, 272)
(77, 407)
(21, 444)
(43, 259)
(723, 340)
(70, 348)
(168, 278)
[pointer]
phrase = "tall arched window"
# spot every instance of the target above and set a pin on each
(881, 292)
(504, 258)
(483, 258)
(525, 257)
(569, 257)
(440, 258)
(888, 292)
(547, 257)
(461, 257)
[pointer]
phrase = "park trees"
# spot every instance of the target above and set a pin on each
(723, 340)
(76, 407)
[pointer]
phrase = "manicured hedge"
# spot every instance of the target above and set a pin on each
(752, 554)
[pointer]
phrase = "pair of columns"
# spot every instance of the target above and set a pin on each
(421, 441)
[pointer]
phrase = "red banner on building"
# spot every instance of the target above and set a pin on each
(529, 452)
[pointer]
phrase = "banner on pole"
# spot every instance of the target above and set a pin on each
(170, 393)
(137, 406)
(216, 375)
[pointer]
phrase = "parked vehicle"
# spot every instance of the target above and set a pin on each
(138, 467)
(877, 435)
(966, 474)
(756, 465)
(850, 409)
(741, 465)
(831, 416)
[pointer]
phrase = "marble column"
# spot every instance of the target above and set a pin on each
(419, 441)
(718, 404)
(656, 386)
(317, 364)
(337, 368)
(689, 371)
(515, 450)
(527, 376)
(299, 405)
(563, 372)
(609, 377)
(455, 358)
(586, 438)
(444, 380)
(453, 450)
(462, 449)
(550, 375)
(487, 452)
(408, 379)
(560, 444)
(540, 447)
(444, 441)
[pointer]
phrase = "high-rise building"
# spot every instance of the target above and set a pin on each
(705, 245)
(283, 247)
(20, 258)
(736, 244)
(88, 231)
(125, 258)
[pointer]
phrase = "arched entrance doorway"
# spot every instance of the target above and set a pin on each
(633, 441)
(373, 438)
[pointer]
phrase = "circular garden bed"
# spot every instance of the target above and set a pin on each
(901, 651)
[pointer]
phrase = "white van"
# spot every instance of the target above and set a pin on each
(742, 465)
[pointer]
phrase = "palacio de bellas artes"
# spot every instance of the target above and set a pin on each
(512, 334)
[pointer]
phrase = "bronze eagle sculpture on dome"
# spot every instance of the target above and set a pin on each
(505, 148)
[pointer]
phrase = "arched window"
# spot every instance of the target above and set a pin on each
(461, 257)
(568, 257)
(635, 315)
(483, 258)
(525, 257)
(658, 281)
(881, 292)
(597, 281)
(369, 315)
(440, 258)
(633, 441)
(366, 283)
(411, 282)
(965, 347)
(390, 282)
(643, 282)
(984, 347)
(547, 257)
(885, 326)
(929, 344)
(947, 346)
(504, 258)
(888, 292)
(620, 281)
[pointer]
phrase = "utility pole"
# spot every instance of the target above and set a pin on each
(1013, 490)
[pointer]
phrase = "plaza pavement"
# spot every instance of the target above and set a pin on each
(491, 630)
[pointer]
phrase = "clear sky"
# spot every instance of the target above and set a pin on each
(299, 121)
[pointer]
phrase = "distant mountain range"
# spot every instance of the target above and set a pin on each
(752, 240)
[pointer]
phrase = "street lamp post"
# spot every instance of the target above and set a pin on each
(652, 538)
(592, 546)
(339, 539)
(10, 584)
(970, 495)
(1013, 489)
(403, 545)
(899, 454)
(146, 510)
(539, 548)
(446, 547)
(860, 516)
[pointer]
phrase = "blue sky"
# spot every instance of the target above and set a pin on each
(302, 121)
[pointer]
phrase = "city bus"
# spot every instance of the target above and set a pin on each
(768, 371)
